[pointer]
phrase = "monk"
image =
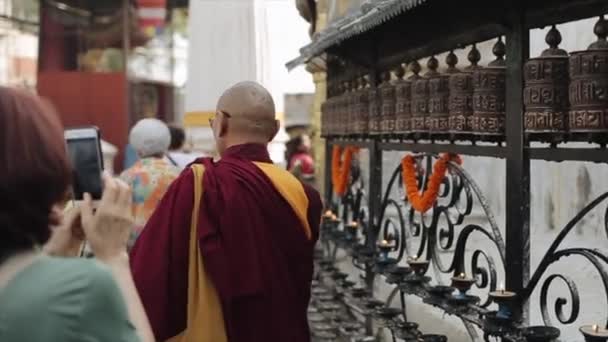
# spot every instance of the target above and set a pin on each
(228, 253)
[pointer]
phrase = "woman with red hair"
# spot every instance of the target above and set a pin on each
(44, 294)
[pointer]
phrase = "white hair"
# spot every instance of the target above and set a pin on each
(150, 137)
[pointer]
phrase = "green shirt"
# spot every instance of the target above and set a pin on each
(65, 300)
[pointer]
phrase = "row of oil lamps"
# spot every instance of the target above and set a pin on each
(562, 94)
(414, 277)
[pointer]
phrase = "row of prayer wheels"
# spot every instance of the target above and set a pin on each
(562, 93)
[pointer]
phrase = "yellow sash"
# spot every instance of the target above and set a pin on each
(205, 319)
(291, 189)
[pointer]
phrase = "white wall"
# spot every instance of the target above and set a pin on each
(236, 40)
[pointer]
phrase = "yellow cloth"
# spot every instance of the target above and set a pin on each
(291, 189)
(205, 322)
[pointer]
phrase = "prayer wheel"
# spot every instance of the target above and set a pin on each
(349, 113)
(342, 110)
(373, 100)
(431, 74)
(546, 88)
(352, 108)
(334, 109)
(387, 109)
(324, 115)
(589, 85)
(403, 103)
(439, 94)
(489, 94)
(461, 95)
(420, 100)
(361, 107)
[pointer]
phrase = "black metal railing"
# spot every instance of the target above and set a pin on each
(401, 246)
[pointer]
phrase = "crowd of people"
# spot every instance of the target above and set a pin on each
(205, 250)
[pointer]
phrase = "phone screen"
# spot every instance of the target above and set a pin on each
(87, 166)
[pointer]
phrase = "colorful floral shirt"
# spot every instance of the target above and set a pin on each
(149, 179)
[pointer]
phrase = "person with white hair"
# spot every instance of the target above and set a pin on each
(152, 174)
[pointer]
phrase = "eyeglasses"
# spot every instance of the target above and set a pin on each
(226, 114)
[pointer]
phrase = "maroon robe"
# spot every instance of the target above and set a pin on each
(254, 249)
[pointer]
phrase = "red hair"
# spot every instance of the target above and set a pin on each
(34, 169)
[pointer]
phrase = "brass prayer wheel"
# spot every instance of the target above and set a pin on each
(439, 94)
(387, 109)
(336, 111)
(342, 118)
(420, 100)
(461, 95)
(349, 113)
(327, 110)
(546, 88)
(373, 100)
(324, 116)
(353, 118)
(432, 74)
(589, 85)
(361, 107)
(403, 96)
(489, 95)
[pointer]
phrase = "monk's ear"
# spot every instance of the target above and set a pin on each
(275, 129)
(223, 127)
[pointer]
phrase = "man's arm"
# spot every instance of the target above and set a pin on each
(315, 209)
(159, 259)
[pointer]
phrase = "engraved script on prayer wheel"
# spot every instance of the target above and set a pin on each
(461, 95)
(420, 99)
(546, 88)
(373, 100)
(387, 109)
(589, 85)
(439, 95)
(489, 95)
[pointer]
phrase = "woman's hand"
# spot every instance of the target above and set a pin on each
(67, 237)
(108, 228)
(107, 232)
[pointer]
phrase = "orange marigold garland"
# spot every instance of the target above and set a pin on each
(425, 201)
(340, 168)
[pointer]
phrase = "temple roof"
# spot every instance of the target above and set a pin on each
(371, 14)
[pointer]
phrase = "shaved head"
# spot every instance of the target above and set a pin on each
(247, 116)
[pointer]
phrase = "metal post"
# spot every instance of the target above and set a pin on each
(518, 162)
(327, 170)
(375, 191)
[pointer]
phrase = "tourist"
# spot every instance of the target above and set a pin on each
(299, 160)
(45, 295)
(237, 264)
(152, 174)
(176, 154)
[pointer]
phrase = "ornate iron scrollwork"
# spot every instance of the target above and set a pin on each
(442, 231)
(598, 260)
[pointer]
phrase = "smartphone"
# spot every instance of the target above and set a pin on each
(84, 149)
